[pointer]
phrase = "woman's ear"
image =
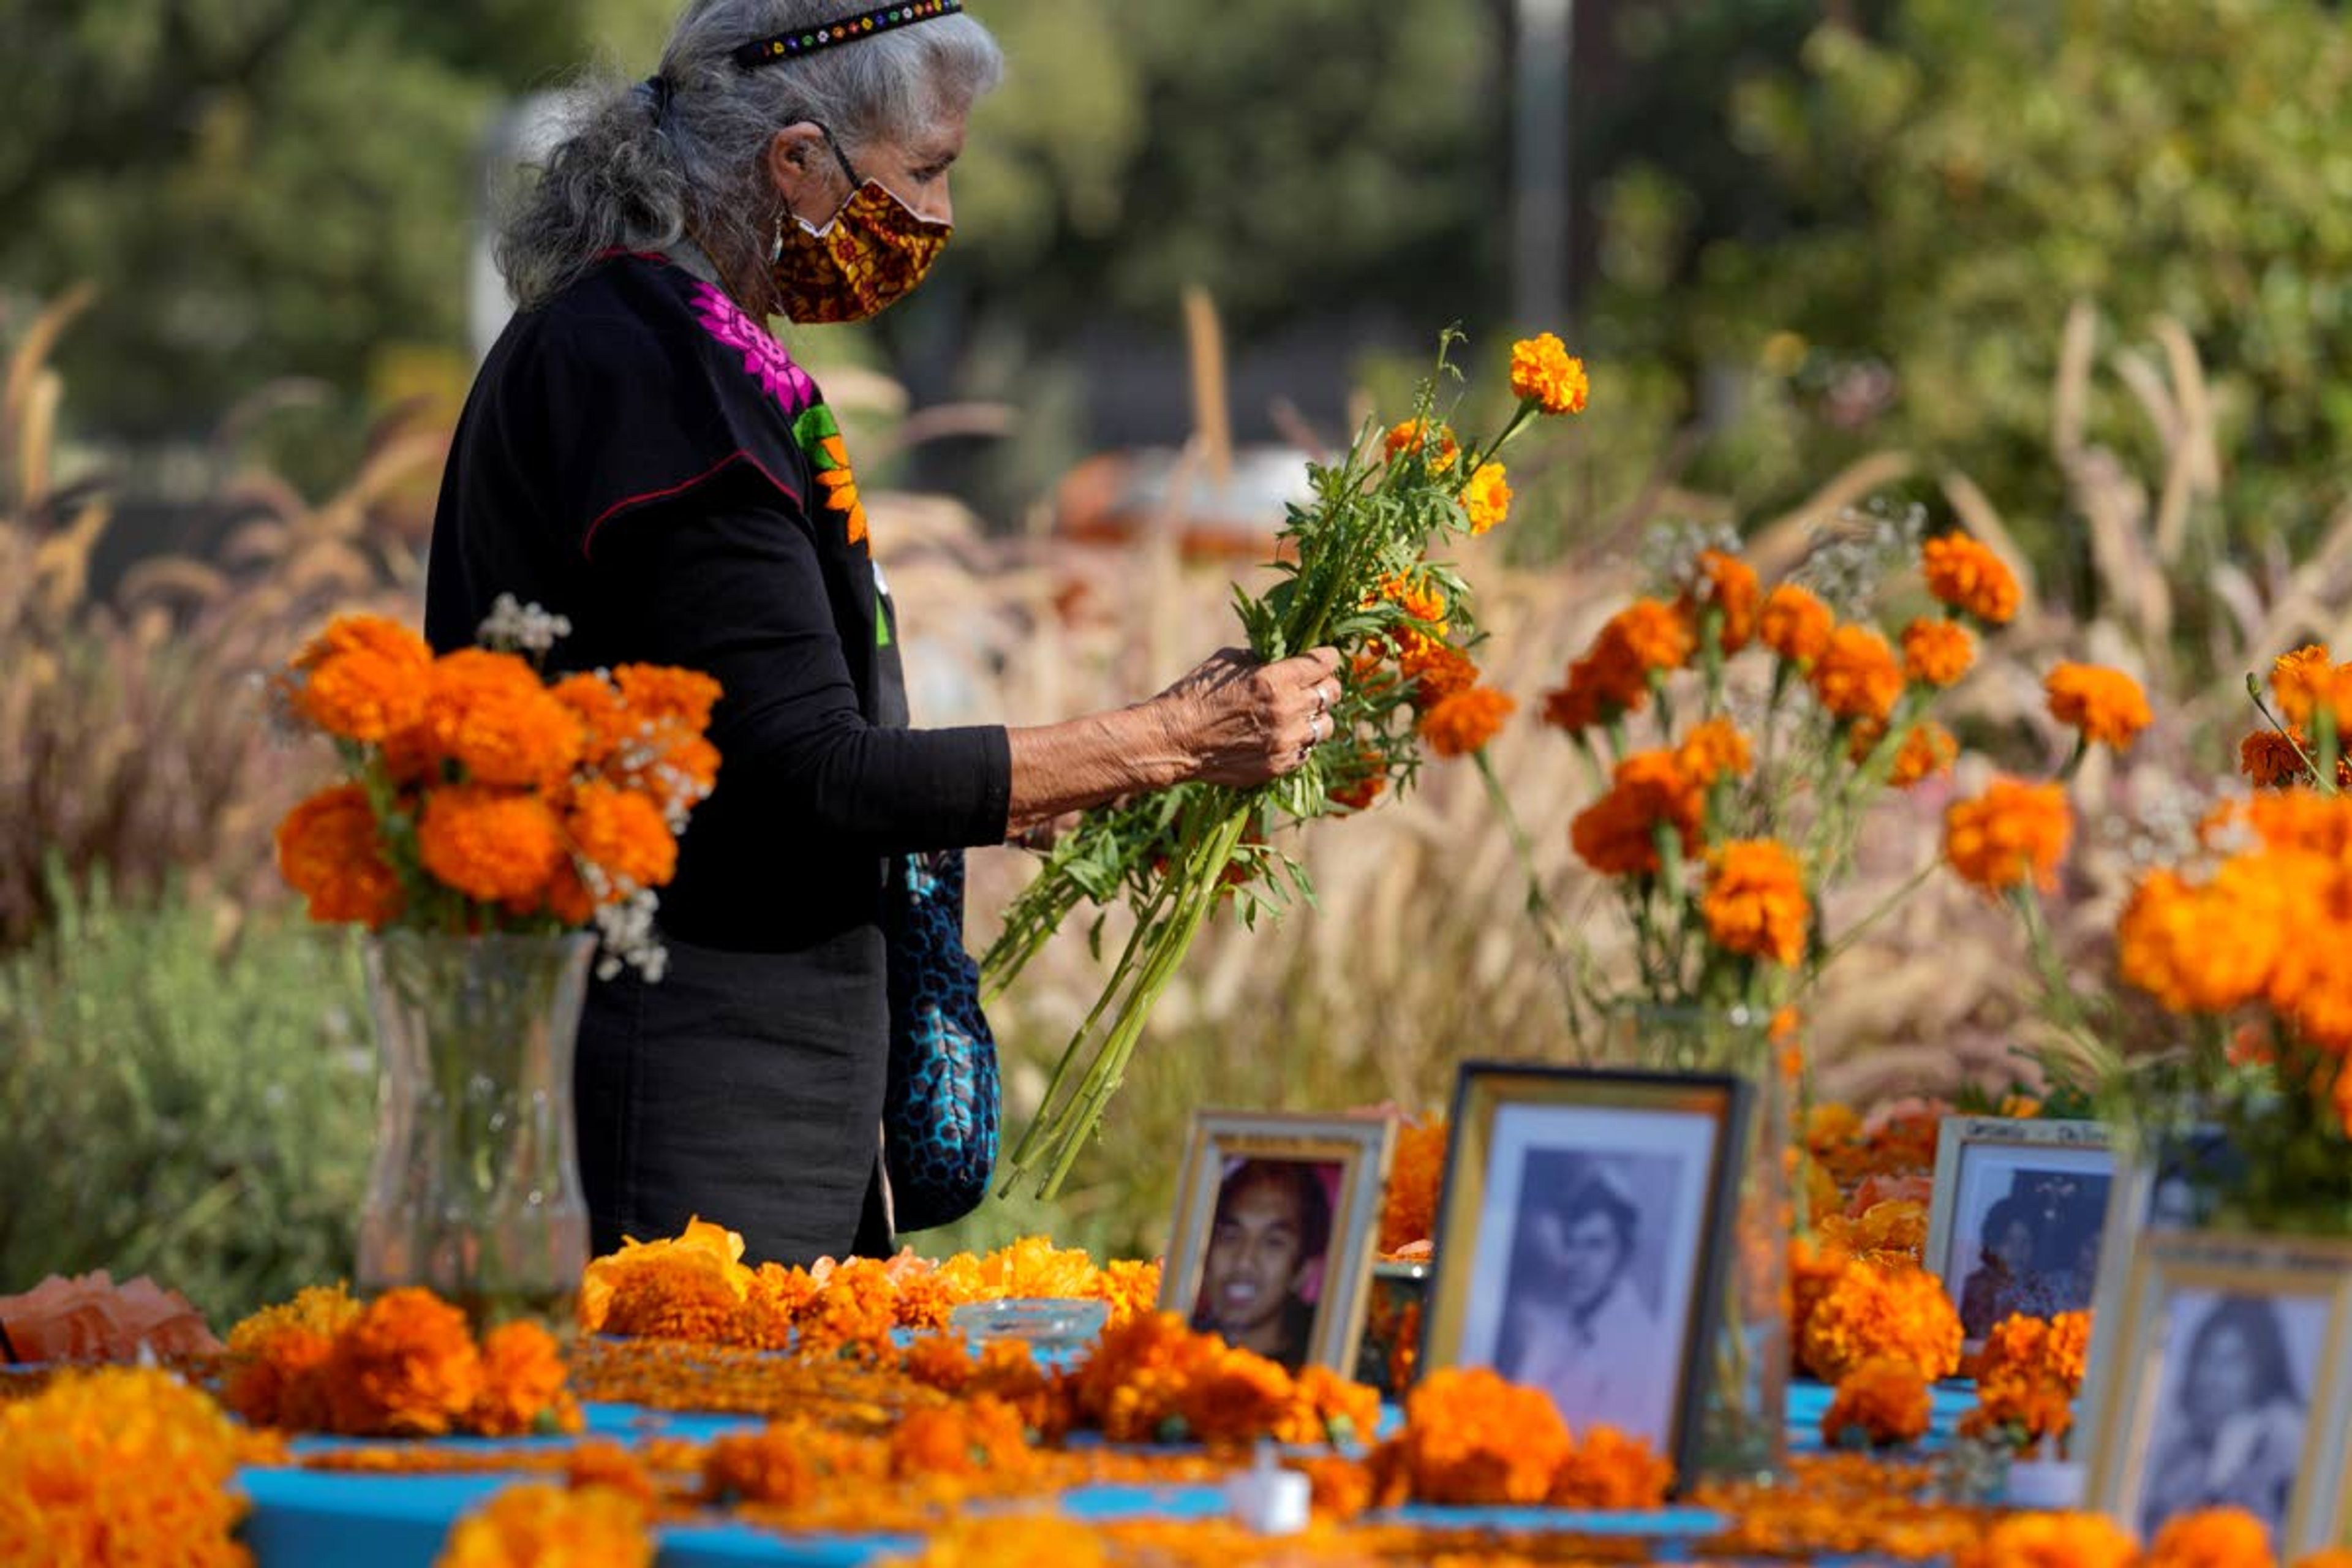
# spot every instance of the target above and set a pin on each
(802, 171)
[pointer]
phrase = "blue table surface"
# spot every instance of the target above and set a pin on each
(358, 1520)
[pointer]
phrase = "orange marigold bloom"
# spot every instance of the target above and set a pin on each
(1611, 1471)
(969, 1438)
(691, 1287)
(606, 725)
(1486, 498)
(1872, 1313)
(1656, 634)
(2271, 760)
(1937, 652)
(1472, 1440)
(2204, 949)
(522, 1383)
(1414, 436)
(1756, 903)
(406, 1367)
(623, 834)
(2057, 1540)
(2211, 1538)
(1416, 1172)
(497, 846)
(1465, 723)
(1795, 624)
(1965, 574)
(1856, 677)
(490, 713)
(1236, 1398)
(536, 1524)
(1927, 751)
(941, 1361)
(973, 1541)
(2302, 679)
(1131, 1386)
(2106, 705)
(1714, 749)
(1438, 671)
(330, 851)
(664, 694)
(1545, 374)
(1368, 781)
(1884, 1398)
(1727, 587)
(771, 1466)
(2012, 833)
(367, 679)
(1617, 835)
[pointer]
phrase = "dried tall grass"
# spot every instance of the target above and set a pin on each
(133, 738)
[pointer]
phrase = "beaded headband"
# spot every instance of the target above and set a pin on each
(847, 29)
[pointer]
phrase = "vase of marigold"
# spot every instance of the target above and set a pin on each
(1744, 1363)
(474, 1191)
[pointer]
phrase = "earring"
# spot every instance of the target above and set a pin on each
(776, 242)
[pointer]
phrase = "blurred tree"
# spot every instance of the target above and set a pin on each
(1953, 177)
(260, 187)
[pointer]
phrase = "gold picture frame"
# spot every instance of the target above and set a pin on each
(1221, 1141)
(1606, 1117)
(2185, 1288)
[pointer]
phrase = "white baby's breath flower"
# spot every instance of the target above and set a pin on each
(514, 627)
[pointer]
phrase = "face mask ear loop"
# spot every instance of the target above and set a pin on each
(855, 184)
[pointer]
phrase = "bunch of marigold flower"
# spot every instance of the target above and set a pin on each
(1472, 1439)
(403, 1365)
(2029, 1374)
(478, 796)
(1869, 1312)
(1358, 571)
(1155, 1380)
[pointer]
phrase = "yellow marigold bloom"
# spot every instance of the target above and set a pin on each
(2211, 1538)
(1870, 1312)
(2269, 759)
(1885, 1399)
(1486, 498)
(1728, 586)
(2057, 1540)
(1655, 635)
(1795, 624)
(1855, 677)
(1465, 723)
(120, 1466)
(2106, 705)
(330, 851)
(1937, 652)
(539, 1525)
(2011, 833)
(1545, 374)
(1755, 904)
(1967, 575)
(1414, 436)
(2302, 681)
(498, 845)
(1713, 751)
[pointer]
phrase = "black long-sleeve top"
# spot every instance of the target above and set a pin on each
(634, 459)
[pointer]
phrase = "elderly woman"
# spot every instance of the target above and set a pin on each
(642, 457)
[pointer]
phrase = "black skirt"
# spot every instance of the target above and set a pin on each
(744, 1089)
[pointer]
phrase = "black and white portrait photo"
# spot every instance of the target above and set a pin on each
(2022, 1232)
(2234, 1406)
(1591, 1238)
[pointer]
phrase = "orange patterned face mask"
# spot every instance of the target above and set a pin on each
(871, 255)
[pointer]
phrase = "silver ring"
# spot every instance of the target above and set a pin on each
(1322, 699)
(1314, 728)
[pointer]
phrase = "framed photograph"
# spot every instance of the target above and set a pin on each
(1581, 1239)
(2231, 1386)
(1275, 1218)
(2017, 1216)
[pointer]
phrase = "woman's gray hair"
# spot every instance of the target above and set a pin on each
(631, 174)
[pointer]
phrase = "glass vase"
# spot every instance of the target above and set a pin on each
(1743, 1417)
(475, 1190)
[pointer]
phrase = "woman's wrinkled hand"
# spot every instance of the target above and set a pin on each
(1245, 723)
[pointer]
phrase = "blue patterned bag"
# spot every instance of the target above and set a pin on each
(939, 1117)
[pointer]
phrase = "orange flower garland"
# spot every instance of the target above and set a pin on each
(2106, 705)
(2013, 834)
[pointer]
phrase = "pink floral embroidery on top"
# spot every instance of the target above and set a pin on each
(764, 359)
